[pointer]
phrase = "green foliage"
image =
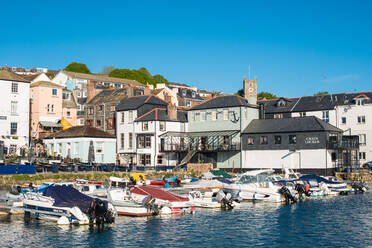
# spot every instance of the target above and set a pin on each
(240, 92)
(321, 93)
(266, 95)
(77, 67)
(141, 75)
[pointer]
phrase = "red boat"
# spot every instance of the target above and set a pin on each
(177, 204)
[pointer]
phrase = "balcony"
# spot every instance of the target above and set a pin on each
(346, 143)
(235, 146)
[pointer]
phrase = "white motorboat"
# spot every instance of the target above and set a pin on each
(66, 205)
(207, 200)
(256, 185)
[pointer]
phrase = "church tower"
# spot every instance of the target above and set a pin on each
(250, 90)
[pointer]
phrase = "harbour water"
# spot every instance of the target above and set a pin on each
(342, 221)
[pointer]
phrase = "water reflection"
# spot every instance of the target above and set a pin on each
(324, 222)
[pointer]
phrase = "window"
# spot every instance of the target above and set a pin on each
(122, 117)
(145, 159)
(250, 140)
(13, 109)
(361, 119)
(148, 141)
(98, 123)
(160, 159)
(362, 155)
(302, 114)
(13, 149)
(203, 116)
(60, 148)
(225, 114)
(65, 96)
(188, 103)
(360, 101)
(292, 139)
(68, 113)
(325, 116)
(122, 141)
(48, 108)
(193, 94)
(78, 94)
(263, 140)
(145, 126)
(14, 87)
(281, 103)
(193, 116)
(130, 118)
(112, 108)
(99, 147)
(54, 92)
(278, 116)
(343, 120)
(214, 115)
(13, 128)
(197, 116)
(162, 126)
(334, 156)
(90, 110)
(76, 146)
(277, 139)
(184, 92)
(130, 141)
(100, 107)
(226, 140)
(362, 139)
(52, 108)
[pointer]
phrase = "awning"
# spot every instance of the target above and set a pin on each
(200, 134)
(49, 124)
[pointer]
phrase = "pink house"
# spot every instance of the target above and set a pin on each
(46, 108)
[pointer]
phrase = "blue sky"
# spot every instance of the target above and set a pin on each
(294, 48)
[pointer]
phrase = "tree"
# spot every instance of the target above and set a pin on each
(107, 69)
(266, 95)
(159, 79)
(321, 93)
(77, 67)
(240, 92)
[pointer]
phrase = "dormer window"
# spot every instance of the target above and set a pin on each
(360, 101)
(282, 103)
(184, 92)
(193, 94)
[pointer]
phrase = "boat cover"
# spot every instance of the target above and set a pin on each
(223, 173)
(67, 196)
(316, 178)
(158, 193)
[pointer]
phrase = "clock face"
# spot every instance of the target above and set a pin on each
(251, 89)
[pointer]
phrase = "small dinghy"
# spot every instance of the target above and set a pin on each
(66, 205)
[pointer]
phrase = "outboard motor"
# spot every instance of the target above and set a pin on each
(302, 190)
(149, 203)
(284, 191)
(99, 212)
(132, 181)
(225, 200)
(359, 187)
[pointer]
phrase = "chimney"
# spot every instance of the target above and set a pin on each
(250, 90)
(147, 89)
(172, 111)
(91, 90)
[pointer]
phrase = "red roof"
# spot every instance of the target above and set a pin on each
(158, 193)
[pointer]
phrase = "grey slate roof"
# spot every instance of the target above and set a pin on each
(80, 131)
(135, 102)
(161, 114)
(188, 93)
(223, 102)
(109, 95)
(313, 103)
(289, 125)
(82, 100)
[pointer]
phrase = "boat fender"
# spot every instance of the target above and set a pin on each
(63, 220)
(307, 188)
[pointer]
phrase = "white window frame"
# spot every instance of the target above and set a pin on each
(162, 126)
(122, 140)
(325, 116)
(99, 147)
(145, 126)
(14, 88)
(361, 119)
(13, 108)
(130, 141)
(225, 114)
(56, 92)
(130, 117)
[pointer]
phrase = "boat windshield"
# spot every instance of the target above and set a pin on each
(256, 179)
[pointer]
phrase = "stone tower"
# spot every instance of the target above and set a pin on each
(250, 90)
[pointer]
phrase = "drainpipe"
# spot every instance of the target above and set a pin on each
(155, 140)
(240, 139)
(104, 117)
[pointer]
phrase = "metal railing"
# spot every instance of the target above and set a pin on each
(235, 146)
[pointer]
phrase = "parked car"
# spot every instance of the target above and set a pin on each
(367, 165)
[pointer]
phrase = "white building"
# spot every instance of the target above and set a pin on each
(14, 111)
(351, 112)
(140, 122)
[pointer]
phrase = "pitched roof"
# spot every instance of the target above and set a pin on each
(314, 103)
(102, 78)
(69, 103)
(109, 95)
(223, 102)
(188, 93)
(31, 77)
(161, 114)
(135, 102)
(289, 125)
(80, 131)
(45, 83)
(11, 76)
